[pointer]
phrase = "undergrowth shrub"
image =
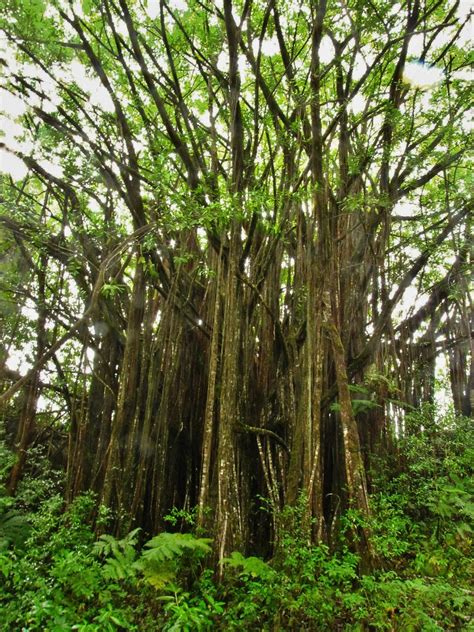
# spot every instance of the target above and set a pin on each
(54, 581)
(39, 482)
(57, 575)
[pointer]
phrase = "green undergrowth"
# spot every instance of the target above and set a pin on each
(56, 574)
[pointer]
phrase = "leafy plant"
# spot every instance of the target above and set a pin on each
(159, 563)
(251, 566)
(119, 555)
(168, 546)
(183, 516)
(111, 290)
(188, 613)
(452, 502)
(55, 581)
(14, 527)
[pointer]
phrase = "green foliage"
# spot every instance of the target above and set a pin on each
(7, 458)
(14, 528)
(55, 582)
(182, 516)
(164, 554)
(41, 481)
(251, 566)
(119, 555)
(421, 531)
(187, 613)
(452, 503)
(168, 546)
(435, 486)
(359, 404)
(137, 109)
(391, 528)
(110, 290)
(56, 575)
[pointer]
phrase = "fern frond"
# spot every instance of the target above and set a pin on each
(253, 566)
(169, 546)
(14, 529)
(108, 545)
(159, 578)
(120, 555)
(159, 562)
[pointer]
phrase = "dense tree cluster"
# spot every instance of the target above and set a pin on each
(235, 249)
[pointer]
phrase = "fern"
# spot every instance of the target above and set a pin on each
(119, 555)
(108, 545)
(119, 567)
(157, 576)
(253, 566)
(169, 546)
(159, 562)
(14, 529)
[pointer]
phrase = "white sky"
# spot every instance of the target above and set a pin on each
(421, 75)
(153, 7)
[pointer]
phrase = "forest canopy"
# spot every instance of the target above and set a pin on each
(235, 241)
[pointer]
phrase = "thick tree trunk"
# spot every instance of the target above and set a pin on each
(211, 403)
(229, 527)
(116, 491)
(354, 465)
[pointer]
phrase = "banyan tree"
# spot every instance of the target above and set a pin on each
(235, 241)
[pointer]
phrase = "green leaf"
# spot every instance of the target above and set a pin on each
(253, 566)
(168, 546)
